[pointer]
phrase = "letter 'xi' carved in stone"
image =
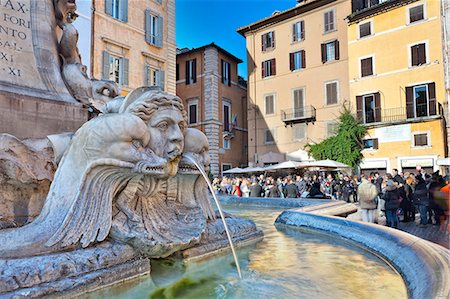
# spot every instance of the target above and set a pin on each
(119, 178)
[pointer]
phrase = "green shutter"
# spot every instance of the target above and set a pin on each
(146, 78)
(108, 7)
(148, 38)
(160, 37)
(125, 67)
(162, 79)
(105, 66)
(124, 11)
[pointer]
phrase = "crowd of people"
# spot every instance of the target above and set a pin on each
(394, 194)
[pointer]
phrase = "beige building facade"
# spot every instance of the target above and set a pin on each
(133, 43)
(297, 78)
(215, 99)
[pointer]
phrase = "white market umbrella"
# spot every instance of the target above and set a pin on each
(324, 164)
(253, 169)
(284, 165)
(234, 170)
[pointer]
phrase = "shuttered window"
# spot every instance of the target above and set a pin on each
(328, 20)
(268, 68)
(365, 29)
(154, 76)
(154, 25)
(416, 13)
(368, 108)
(366, 67)
(226, 68)
(297, 60)
(117, 9)
(330, 51)
(418, 55)
(191, 71)
(226, 116)
(269, 104)
(332, 128)
(421, 139)
(331, 93)
(299, 103)
(115, 68)
(177, 72)
(421, 100)
(192, 111)
(298, 31)
(268, 41)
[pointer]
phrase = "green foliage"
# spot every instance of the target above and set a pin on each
(345, 146)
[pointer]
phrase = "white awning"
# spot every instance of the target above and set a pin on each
(415, 162)
(443, 162)
(373, 164)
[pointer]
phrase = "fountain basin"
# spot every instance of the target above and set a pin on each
(422, 264)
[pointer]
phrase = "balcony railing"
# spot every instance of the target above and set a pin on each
(298, 115)
(399, 114)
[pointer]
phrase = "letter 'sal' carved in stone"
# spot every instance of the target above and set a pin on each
(95, 93)
(120, 178)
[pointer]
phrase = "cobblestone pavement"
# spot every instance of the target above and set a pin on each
(432, 233)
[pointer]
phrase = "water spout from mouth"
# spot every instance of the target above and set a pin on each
(230, 240)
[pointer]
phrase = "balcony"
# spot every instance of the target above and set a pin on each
(298, 115)
(400, 114)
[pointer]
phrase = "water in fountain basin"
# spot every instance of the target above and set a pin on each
(230, 240)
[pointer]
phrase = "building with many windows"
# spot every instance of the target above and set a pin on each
(215, 99)
(132, 42)
(297, 78)
(396, 59)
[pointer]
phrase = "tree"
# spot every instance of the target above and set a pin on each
(345, 145)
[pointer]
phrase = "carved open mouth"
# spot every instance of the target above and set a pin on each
(150, 168)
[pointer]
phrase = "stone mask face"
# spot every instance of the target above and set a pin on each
(166, 129)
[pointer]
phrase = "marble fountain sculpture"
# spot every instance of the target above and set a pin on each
(118, 192)
(123, 193)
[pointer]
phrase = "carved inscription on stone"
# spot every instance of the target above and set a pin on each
(17, 60)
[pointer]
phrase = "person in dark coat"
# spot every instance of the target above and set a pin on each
(421, 199)
(256, 190)
(291, 190)
(315, 191)
(392, 202)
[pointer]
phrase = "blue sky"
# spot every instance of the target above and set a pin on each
(201, 22)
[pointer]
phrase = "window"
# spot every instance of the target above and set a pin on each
(268, 41)
(299, 103)
(269, 104)
(298, 31)
(365, 29)
(226, 166)
(368, 108)
(115, 68)
(154, 76)
(328, 21)
(117, 9)
(268, 68)
(420, 139)
(366, 67)
(226, 73)
(191, 71)
(418, 55)
(331, 93)
(421, 100)
(226, 116)
(192, 111)
(370, 143)
(297, 60)
(177, 72)
(226, 143)
(332, 128)
(269, 136)
(153, 29)
(416, 13)
(298, 132)
(330, 51)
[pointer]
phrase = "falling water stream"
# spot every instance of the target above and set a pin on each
(230, 240)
